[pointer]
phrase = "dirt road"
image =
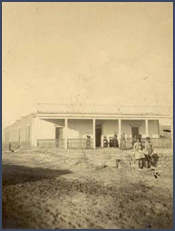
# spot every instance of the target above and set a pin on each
(76, 190)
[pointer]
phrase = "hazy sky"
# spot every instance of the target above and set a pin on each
(117, 53)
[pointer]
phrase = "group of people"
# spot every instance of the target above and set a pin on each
(113, 142)
(144, 155)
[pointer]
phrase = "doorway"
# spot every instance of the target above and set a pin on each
(58, 133)
(98, 132)
(135, 132)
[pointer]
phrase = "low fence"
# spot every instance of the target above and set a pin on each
(79, 143)
(25, 145)
(82, 143)
(162, 142)
(11, 146)
(51, 143)
(17, 145)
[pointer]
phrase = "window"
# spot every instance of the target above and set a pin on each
(167, 130)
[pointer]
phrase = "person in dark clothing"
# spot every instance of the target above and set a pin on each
(148, 150)
(134, 140)
(10, 147)
(140, 138)
(105, 142)
(115, 141)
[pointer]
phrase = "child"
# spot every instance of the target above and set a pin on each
(139, 156)
(148, 151)
(105, 142)
(88, 141)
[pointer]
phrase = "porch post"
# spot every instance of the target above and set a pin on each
(34, 132)
(119, 128)
(146, 127)
(94, 138)
(65, 133)
(172, 132)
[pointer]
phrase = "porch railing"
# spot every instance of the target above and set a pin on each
(51, 143)
(162, 142)
(79, 143)
(82, 143)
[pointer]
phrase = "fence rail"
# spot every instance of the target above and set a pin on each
(82, 143)
(17, 145)
(79, 143)
(51, 143)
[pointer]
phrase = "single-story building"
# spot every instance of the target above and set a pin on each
(67, 126)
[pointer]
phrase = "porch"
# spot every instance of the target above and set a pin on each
(72, 133)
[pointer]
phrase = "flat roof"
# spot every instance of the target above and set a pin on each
(83, 109)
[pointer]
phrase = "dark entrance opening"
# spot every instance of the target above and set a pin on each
(98, 132)
(135, 131)
(57, 133)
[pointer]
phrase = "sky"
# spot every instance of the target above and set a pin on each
(93, 53)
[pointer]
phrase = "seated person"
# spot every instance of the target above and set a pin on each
(139, 156)
(111, 142)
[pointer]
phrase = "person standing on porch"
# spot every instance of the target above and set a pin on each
(115, 141)
(105, 142)
(123, 142)
(88, 141)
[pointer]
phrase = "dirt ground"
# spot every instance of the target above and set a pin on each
(83, 189)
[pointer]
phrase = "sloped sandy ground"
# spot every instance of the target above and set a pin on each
(78, 189)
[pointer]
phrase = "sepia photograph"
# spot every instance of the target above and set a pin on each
(87, 115)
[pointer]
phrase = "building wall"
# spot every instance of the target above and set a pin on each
(153, 128)
(109, 127)
(45, 129)
(166, 124)
(126, 127)
(32, 128)
(79, 128)
(20, 131)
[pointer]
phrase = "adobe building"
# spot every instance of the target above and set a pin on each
(67, 126)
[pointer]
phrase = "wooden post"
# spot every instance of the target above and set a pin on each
(94, 138)
(65, 133)
(119, 130)
(146, 127)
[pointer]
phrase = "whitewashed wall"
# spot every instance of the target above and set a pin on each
(153, 128)
(109, 127)
(20, 126)
(45, 129)
(79, 128)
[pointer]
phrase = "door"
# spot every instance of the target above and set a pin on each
(135, 131)
(98, 132)
(57, 133)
